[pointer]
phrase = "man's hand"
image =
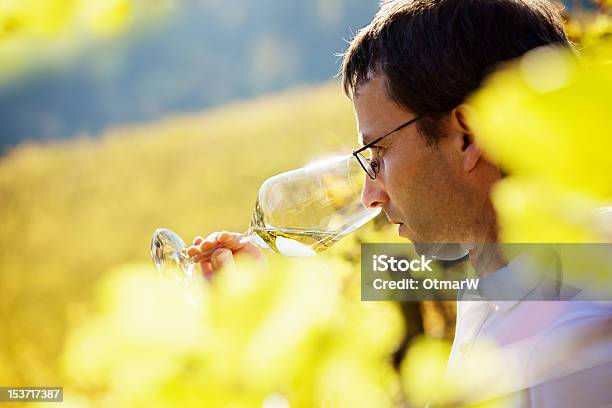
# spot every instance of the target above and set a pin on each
(224, 245)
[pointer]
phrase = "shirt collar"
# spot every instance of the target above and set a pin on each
(535, 273)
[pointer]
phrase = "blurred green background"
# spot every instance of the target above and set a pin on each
(104, 138)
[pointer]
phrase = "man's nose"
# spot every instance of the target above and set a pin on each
(373, 194)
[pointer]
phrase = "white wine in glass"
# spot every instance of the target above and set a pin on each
(297, 213)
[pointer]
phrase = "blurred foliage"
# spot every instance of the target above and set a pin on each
(474, 382)
(283, 331)
(41, 31)
(554, 108)
(545, 120)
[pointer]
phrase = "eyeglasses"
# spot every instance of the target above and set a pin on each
(371, 165)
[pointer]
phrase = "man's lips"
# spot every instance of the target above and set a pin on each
(401, 227)
(399, 224)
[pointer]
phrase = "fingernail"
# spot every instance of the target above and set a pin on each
(198, 258)
(225, 257)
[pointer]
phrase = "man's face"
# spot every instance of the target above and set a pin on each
(423, 188)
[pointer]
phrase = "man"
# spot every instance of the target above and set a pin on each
(408, 74)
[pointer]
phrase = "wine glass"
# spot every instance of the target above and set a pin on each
(297, 213)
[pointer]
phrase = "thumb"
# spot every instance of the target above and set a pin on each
(222, 258)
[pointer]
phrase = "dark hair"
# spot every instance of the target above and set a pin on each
(434, 53)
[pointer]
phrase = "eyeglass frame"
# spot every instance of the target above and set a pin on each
(356, 153)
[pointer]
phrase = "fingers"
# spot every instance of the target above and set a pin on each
(224, 237)
(202, 248)
(230, 240)
(222, 258)
(207, 270)
(252, 251)
(218, 249)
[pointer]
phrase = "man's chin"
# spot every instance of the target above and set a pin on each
(405, 231)
(441, 251)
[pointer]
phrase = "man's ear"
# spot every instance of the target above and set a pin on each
(469, 149)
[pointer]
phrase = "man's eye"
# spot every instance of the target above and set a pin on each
(375, 151)
(375, 164)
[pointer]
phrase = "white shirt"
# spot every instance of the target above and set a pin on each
(534, 353)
